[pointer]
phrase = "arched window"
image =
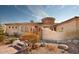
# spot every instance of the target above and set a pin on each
(12, 26)
(9, 27)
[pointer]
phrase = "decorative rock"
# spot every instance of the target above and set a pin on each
(63, 46)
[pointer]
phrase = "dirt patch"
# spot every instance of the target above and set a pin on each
(5, 49)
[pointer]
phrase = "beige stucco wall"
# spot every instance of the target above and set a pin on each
(21, 28)
(11, 30)
(77, 26)
(68, 26)
(48, 34)
(68, 32)
(78, 23)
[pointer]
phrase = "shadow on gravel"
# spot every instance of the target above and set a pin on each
(73, 44)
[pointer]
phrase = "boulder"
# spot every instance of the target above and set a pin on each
(63, 46)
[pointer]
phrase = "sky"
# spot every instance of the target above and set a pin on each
(26, 13)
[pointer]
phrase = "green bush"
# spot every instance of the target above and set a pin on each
(10, 41)
(2, 36)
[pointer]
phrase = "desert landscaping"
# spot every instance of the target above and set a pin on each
(39, 47)
(40, 39)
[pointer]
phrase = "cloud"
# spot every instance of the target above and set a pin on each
(36, 10)
(24, 11)
(61, 6)
(75, 6)
(32, 11)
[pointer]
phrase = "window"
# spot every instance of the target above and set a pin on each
(9, 27)
(16, 27)
(54, 28)
(12, 26)
(36, 26)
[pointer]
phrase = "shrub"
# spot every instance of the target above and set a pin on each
(16, 34)
(6, 34)
(2, 36)
(10, 41)
(31, 37)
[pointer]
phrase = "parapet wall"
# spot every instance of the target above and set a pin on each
(48, 34)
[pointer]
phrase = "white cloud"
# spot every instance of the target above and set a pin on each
(62, 6)
(75, 6)
(37, 11)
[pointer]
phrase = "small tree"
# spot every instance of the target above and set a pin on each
(6, 34)
(31, 21)
(16, 34)
(2, 36)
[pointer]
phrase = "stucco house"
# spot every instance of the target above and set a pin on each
(70, 27)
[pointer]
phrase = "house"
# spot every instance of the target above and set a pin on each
(20, 28)
(68, 29)
(68, 25)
